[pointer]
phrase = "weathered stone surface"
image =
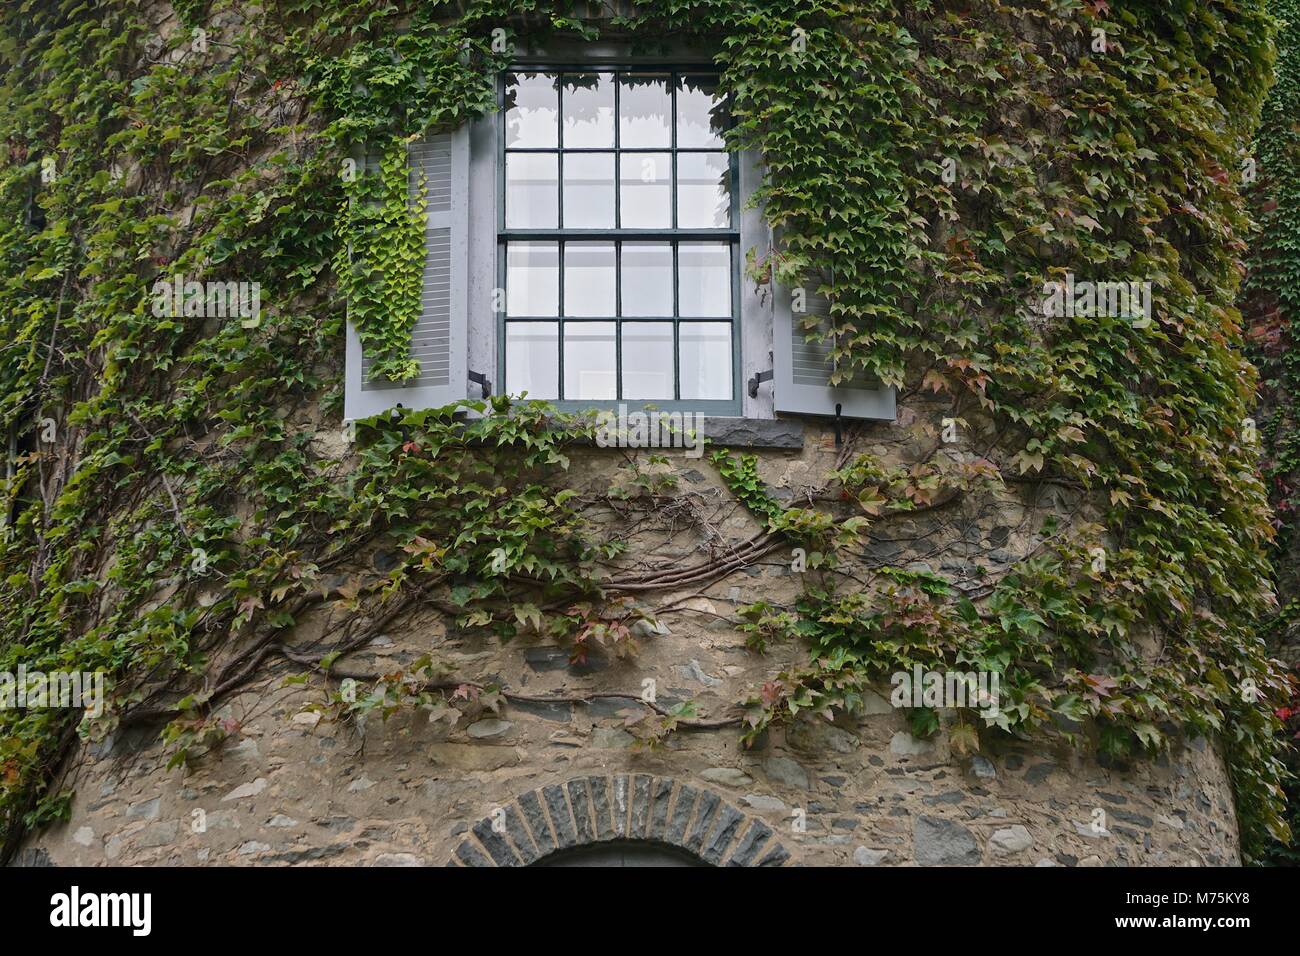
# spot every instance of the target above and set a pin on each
(640, 818)
(598, 790)
(483, 729)
(724, 831)
(783, 770)
(251, 789)
(581, 805)
(561, 817)
(1009, 840)
(864, 856)
(750, 844)
(496, 844)
(660, 802)
(683, 810)
(531, 806)
(905, 745)
(727, 776)
(939, 842)
(761, 801)
(704, 814)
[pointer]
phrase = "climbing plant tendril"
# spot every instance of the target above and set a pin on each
(178, 440)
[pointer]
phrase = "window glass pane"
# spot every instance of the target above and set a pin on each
(533, 359)
(647, 360)
(706, 360)
(589, 361)
(703, 191)
(532, 110)
(647, 278)
(588, 111)
(645, 181)
(704, 279)
(533, 278)
(645, 108)
(701, 114)
(589, 279)
(532, 191)
(589, 191)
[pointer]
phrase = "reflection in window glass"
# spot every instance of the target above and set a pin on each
(647, 278)
(644, 108)
(589, 191)
(704, 279)
(532, 191)
(706, 360)
(589, 361)
(703, 191)
(645, 190)
(532, 110)
(648, 360)
(589, 279)
(533, 359)
(533, 278)
(701, 116)
(588, 103)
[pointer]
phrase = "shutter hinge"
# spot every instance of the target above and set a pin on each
(481, 380)
(757, 379)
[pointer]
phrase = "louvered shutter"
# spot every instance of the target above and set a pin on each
(802, 368)
(438, 340)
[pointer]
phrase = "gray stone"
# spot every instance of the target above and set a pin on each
(761, 801)
(786, 771)
(158, 834)
(660, 801)
(724, 831)
(939, 842)
(648, 629)
(750, 844)
(709, 803)
(581, 810)
(601, 807)
(560, 816)
(727, 776)
(147, 810)
(495, 843)
(250, 789)
(686, 799)
(483, 729)
(536, 820)
(560, 713)
(905, 745)
(693, 671)
(863, 856)
(611, 738)
(280, 820)
(251, 847)
(982, 768)
(754, 432)
(1008, 840)
(471, 855)
(397, 859)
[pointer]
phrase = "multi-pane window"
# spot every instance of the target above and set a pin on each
(618, 237)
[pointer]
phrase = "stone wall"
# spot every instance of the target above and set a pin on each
(291, 787)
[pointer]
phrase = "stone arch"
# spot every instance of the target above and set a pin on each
(588, 811)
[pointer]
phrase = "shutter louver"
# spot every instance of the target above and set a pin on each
(803, 364)
(438, 340)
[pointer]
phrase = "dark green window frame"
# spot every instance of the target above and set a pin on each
(618, 236)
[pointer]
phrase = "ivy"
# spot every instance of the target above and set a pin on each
(380, 263)
(187, 515)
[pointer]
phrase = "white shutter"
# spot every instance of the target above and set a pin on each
(438, 340)
(802, 368)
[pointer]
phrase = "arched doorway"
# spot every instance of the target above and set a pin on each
(622, 820)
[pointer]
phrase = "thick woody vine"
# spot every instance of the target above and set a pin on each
(935, 163)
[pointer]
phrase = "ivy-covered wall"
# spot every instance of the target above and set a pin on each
(186, 516)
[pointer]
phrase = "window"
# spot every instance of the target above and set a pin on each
(585, 244)
(618, 239)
